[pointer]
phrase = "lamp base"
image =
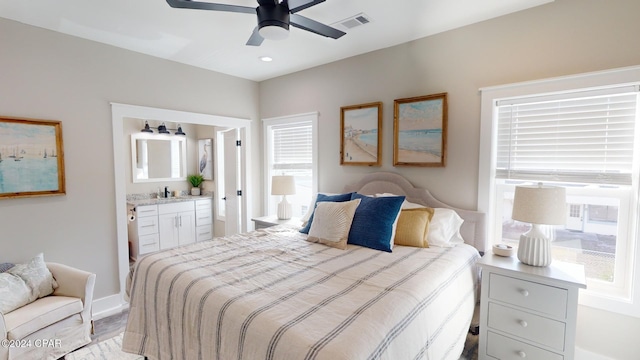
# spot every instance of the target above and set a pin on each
(534, 248)
(284, 209)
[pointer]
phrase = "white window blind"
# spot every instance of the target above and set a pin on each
(585, 136)
(292, 146)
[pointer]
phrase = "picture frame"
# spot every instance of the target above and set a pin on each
(205, 158)
(31, 158)
(420, 131)
(360, 134)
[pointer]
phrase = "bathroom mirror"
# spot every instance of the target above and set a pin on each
(156, 157)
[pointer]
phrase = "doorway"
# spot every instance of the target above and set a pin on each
(119, 114)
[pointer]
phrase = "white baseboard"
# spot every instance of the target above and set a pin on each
(108, 306)
(583, 354)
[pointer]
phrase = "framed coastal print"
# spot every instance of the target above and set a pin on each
(31, 158)
(360, 134)
(420, 131)
(205, 158)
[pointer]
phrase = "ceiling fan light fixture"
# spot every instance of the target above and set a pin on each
(274, 32)
(273, 21)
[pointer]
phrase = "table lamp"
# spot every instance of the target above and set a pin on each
(283, 185)
(538, 205)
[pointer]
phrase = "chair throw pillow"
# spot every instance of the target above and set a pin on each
(332, 222)
(37, 276)
(5, 266)
(14, 293)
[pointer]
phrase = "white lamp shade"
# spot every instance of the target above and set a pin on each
(283, 185)
(540, 204)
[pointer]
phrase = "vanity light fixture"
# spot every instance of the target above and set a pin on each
(146, 129)
(162, 129)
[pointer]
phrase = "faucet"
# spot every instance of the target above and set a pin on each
(166, 191)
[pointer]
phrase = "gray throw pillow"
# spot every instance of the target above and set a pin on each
(37, 276)
(14, 293)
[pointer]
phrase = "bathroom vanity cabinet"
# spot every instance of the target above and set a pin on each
(166, 223)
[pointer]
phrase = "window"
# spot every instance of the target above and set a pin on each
(291, 149)
(585, 139)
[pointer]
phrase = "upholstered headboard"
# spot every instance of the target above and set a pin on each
(472, 230)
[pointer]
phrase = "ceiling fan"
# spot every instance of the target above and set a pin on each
(274, 17)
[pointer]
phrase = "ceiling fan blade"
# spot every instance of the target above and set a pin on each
(188, 4)
(304, 23)
(256, 39)
(297, 5)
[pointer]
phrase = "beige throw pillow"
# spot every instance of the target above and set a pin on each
(332, 222)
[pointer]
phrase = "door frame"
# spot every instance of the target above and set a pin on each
(122, 112)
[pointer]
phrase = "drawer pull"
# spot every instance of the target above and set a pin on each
(524, 292)
(523, 323)
(522, 354)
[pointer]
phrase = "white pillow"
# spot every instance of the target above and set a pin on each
(37, 276)
(332, 222)
(14, 293)
(444, 227)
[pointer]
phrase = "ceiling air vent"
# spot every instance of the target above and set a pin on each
(352, 22)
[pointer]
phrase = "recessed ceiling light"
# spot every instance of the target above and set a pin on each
(266, 58)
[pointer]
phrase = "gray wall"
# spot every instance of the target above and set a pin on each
(47, 75)
(561, 38)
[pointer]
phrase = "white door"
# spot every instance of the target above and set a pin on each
(575, 220)
(232, 182)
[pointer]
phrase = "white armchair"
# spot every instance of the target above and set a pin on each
(54, 325)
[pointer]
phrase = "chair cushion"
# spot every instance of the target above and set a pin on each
(40, 314)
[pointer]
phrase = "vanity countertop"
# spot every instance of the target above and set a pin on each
(173, 199)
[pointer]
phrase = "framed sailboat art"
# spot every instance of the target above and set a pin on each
(31, 158)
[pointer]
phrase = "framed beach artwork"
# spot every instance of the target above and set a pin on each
(205, 158)
(420, 131)
(360, 142)
(31, 158)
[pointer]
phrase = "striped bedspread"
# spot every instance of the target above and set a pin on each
(269, 294)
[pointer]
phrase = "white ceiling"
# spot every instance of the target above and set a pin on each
(216, 40)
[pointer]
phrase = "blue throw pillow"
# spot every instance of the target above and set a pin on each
(5, 266)
(323, 197)
(372, 224)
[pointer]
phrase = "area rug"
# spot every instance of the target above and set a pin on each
(470, 351)
(104, 350)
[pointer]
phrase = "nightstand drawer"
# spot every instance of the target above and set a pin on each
(543, 298)
(528, 326)
(504, 348)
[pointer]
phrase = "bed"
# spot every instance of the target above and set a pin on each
(272, 294)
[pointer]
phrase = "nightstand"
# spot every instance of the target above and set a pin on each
(526, 311)
(272, 220)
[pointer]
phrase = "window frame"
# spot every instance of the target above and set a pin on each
(269, 201)
(487, 200)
